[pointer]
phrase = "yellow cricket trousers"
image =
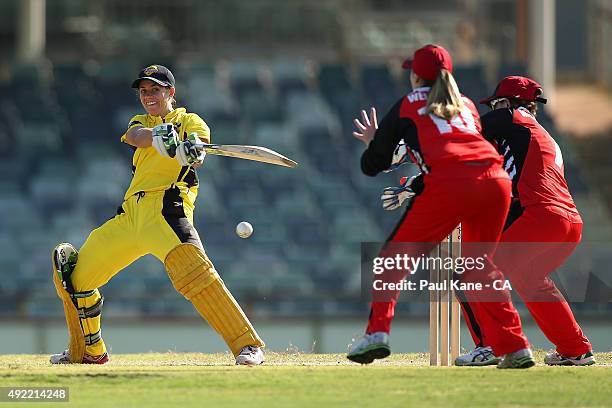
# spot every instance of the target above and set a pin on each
(147, 223)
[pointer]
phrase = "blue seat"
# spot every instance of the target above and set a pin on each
(508, 68)
(290, 76)
(19, 213)
(212, 102)
(333, 78)
(37, 138)
(259, 107)
(379, 86)
(307, 231)
(244, 77)
(215, 231)
(472, 83)
(299, 203)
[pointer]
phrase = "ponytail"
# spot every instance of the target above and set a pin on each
(444, 99)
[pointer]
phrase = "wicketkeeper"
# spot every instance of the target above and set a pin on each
(543, 227)
(156, 217)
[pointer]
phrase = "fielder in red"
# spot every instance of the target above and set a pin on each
(462, 181)
(543, 226)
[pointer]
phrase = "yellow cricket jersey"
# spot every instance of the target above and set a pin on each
(151, 171)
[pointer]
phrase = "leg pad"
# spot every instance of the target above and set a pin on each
(194, 276)
(76, 340)
(82, 311)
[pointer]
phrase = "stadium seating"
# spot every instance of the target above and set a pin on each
(304, 256)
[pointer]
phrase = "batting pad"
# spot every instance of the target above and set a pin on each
(82, 311)
(76, 340)
(194, 276)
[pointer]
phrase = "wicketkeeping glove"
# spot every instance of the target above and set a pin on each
(400, 156)
(187, 153)
(165, 139)
(393, 197)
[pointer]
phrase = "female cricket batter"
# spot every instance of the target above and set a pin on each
(543, 227)
(156, 217)
(463, 182)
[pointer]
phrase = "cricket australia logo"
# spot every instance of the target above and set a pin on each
(150, 70)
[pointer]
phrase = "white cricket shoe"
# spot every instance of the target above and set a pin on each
(370, 347)
(522, 358)
(250, 355)
(61, 358)
(481, 356)
(558, 359)
(64, 358)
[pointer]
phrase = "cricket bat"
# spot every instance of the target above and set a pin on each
(255, 153)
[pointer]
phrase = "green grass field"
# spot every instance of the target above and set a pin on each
(321, 380)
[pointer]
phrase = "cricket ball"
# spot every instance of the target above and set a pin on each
(244, 229)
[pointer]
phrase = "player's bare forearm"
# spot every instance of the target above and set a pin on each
(139, 136)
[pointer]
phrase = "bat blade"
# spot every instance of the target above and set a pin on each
(255, 153)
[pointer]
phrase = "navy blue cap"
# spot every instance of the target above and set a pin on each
(156, 73)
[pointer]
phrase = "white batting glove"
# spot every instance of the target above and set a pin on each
(393, 197)
(165, 140)
(188, 154)
(400, 156)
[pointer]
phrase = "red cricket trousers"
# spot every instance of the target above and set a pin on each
(533, 246)
(478, 197)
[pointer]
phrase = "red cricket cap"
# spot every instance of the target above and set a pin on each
(427, 62)
(517, 87)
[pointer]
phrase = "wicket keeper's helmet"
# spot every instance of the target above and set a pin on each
(517, 87)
